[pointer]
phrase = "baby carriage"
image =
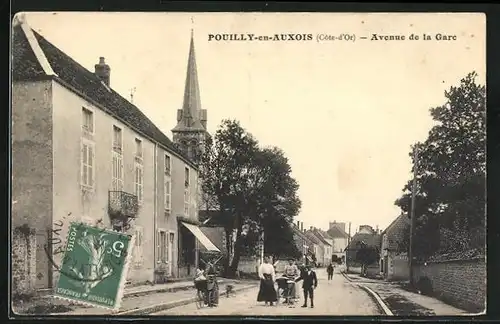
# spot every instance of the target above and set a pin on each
(285, 290)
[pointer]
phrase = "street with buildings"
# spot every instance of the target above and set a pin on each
(337, 297)
(83, 153)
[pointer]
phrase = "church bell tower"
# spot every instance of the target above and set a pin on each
(190, 133)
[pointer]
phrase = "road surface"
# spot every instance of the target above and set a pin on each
(335, 297)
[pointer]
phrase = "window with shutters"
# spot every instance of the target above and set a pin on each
(138, 246)
(139, 182)
(186, 202)
(186, 177)
(168, 194)
(117, 139)
(87, 121)
(168, 185)
(161, 247)
(88, 164)
(186, 192)
(168, 164)
(138, 150)
(117, 172)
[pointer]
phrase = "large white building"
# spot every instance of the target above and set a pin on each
(81, 149)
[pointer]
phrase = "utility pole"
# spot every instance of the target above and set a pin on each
(348, 247)
(412, 213)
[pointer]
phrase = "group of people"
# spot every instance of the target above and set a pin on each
(267, 274)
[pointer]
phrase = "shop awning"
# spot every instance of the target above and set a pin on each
(202, 238)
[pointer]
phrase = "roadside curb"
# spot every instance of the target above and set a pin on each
(380, 303)
(377, 298)
(188, 285)
(164, 306)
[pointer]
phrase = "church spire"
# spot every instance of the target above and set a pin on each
(191, 117)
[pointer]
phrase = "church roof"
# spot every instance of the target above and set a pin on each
(191, 105)
(35, 58)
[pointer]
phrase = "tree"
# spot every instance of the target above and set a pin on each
(276, 204)
(251, 188)
(450, 196)
(366, 255)
(226, 172)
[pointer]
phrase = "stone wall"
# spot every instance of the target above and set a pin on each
(461, 283)
(23, 260)
(249, 264)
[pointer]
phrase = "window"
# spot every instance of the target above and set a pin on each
(161, 248)
(168, 189)
(117, 139)
(117, 172)
(138, 148)
(139, 179)
(168, 164)
(138, 246)
(87, 164)
(186, 177)
(186, 202)
(87, 121)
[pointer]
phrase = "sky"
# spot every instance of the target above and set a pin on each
(344, 112)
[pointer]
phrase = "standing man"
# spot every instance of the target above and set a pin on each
(310, 282)
(329, 270)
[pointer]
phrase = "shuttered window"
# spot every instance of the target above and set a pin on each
(138, 246)
(87, 168)
(161, 246)
(168, 189)
(139, 179)
(117, 172)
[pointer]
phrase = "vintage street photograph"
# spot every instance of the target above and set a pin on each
(248, 164)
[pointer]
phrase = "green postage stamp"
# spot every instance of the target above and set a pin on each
(94, 267)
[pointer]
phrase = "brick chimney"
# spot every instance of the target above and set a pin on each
(302, 226)
(102, 70)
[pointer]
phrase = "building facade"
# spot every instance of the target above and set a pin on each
(394, 254)
(302, 242)
(81, 152)
(340, 240)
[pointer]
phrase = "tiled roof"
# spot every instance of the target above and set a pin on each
(313, 237)
(336, 232)
(369, 239)
(395, 232)
(318, 234)
(84, 82)
(325, 235)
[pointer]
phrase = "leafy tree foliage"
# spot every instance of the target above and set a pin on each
(451, 170)
(251, 188)
(366, 254)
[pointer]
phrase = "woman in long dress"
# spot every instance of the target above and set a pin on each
(267, 292)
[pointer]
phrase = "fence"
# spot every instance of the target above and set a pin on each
(461, 283)
(23, 260)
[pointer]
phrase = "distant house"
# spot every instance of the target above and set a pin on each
(303, 243)
(340, 240)
(394, 257)
(320, 246)
(328, 244)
